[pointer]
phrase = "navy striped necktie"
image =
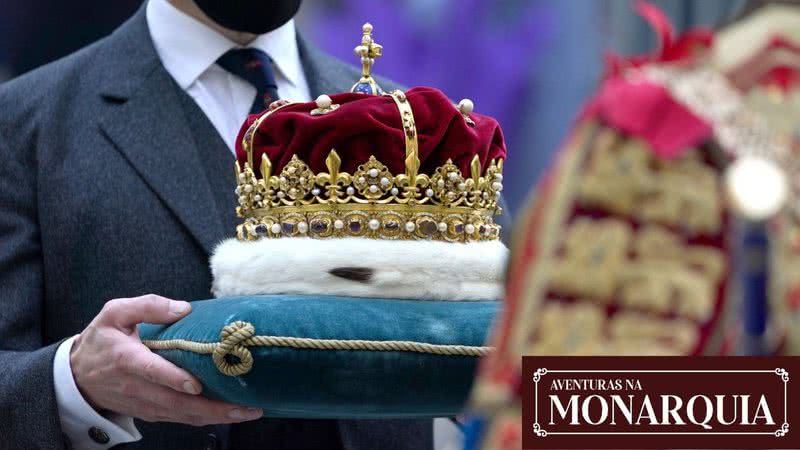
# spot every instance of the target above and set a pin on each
(255, 67)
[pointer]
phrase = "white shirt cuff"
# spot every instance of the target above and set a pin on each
(83, 426)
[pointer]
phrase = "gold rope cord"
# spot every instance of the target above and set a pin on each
(237, 336)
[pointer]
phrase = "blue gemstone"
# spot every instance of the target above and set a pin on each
(288, 227)
(261, 229)
(363, 88)
(318, 226)
(355, 226)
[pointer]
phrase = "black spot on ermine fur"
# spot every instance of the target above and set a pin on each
(359, 274)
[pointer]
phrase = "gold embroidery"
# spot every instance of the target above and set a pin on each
(678, 334)
(665, 287)
(594, 253)
(650, 269)
(785, 282)
(628, 179)
(581, 328)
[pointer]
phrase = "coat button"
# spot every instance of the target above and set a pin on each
(212, 443)
(98, 435)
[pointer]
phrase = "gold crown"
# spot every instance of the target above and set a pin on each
(372, 202)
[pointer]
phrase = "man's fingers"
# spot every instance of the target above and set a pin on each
(152, 368)
(156, 389)
(126, 313)
(176, 407)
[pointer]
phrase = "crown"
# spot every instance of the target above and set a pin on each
(293, 182)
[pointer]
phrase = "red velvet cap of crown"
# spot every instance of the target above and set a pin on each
(369, 125)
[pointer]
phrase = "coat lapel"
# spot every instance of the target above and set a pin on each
(145, 122)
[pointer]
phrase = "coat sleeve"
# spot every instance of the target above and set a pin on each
(28, 410)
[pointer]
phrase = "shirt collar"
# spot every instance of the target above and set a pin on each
(187, 47)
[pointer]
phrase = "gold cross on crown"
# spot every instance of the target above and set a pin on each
(368, 50)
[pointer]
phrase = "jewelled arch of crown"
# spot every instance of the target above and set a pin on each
(372, 202)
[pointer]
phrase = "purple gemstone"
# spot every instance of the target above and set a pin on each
(459, 228)
(261, 229)
(318, 226)
(355, 226)
(288, 227)
(428, 227)
(392, 225)
(482, 229)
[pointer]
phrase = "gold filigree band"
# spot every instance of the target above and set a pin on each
(372, 202)
(388, 224)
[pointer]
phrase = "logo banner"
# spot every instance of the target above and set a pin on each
(660, 402)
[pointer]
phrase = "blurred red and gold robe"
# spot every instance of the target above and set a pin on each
(629, 244)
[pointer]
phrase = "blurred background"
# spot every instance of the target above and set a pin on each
(529, 63)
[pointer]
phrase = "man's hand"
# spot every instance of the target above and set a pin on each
(114, 371)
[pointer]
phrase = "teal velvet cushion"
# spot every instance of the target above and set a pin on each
(333, 357)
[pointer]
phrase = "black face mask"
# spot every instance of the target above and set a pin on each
(250, 16)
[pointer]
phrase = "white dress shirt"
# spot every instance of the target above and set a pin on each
(188, 49)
